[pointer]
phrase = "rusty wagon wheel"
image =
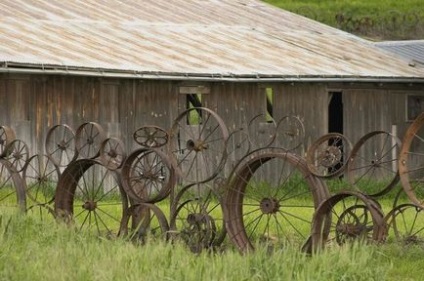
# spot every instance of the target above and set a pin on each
(112, 153)
(271, 200)
(199, 145)
(411, 161)
(262, 131)
(373, 162)
(17, 154)
(148, 175)
(7, 135)
(291, 131)
(88, 140)
(238, 146)
(328, 155)
(41, 176)
(90, 197)
(346, 217)
(151, 136)
(197, 217)
(144, 222)
(12, 187)
(60, 145)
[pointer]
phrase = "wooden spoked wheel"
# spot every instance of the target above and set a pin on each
(112, 153)
(88, 140)
(17, 154)
(60, 145)
(291, 132)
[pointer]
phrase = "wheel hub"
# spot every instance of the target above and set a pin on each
(89, 205)
(269, 205)
(197, 145)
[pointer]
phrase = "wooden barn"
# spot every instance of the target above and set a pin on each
(132, 63)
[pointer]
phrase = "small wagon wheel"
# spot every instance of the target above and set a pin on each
(151, 136)
(373, 162)
(238, 146)
(197, 217)
(7, 135)
(199, 150)
(291, 131)
(60, 145)
(112, 153)
(17, 154)
(411, 161)
(406, 223)
(12, 187)
(90, 197)
(41, 176)
(346, 217)
(88, 139)
(328, 155)
(265, 202)
(144, 222)
(148, 175)
(262, 131)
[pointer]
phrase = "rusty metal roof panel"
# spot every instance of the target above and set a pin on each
(205, 37)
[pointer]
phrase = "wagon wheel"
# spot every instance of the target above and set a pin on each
(90, 197)
(112, 153)
(151, 136)
(144, 222)
(238, 146)
(411, 161)
(199, 150)
(271, 200)
(406, 223)
(60, 145)
(373, 162)
(328, 155)
(148, 175)
(7, 135)
(197, 217)
(346, 217)
(291, 131)
(17, 154)
(88, 140)
(41, 176)
(12, 187)
(262, 132)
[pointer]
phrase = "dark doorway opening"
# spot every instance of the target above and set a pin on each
(335, 113)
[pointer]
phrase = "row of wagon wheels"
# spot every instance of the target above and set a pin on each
(271, 196)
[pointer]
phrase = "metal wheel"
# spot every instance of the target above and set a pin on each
(7, 135)
(41, 176)
(411, 161)
(198, 143)
(328, 155)
(151, 136)
(373, 162)
(406, 223)
(262, 131)
(88, 140)
(238, 146)
(291, 132)
(148, 175)
(12, 187)
(17, 154)
(346, 217)
(144, 222)
(112, 153)
(271, 200)
(90, 197)
(60, 145)
(197, 217)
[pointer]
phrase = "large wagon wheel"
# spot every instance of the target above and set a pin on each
(144, 222)
(7, 135)
(262, 131)
(406, 223)
(328, 155)
(271, 200)
(197, 217)
(199, 150)
(41, 176)
(411, 161)
(291, 131)
(17, 154)
(88, 140)
(90, 197)
(148, 175)
(151, 136)
(373, 162)
(346, 217)
(60, 145)
(12, 187)
(112, 153)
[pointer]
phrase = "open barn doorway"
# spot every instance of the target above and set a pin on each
(335, 112)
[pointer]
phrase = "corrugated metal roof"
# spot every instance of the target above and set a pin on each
(203, 38)
(412, 50)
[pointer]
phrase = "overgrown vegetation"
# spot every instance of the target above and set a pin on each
(377, 20)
